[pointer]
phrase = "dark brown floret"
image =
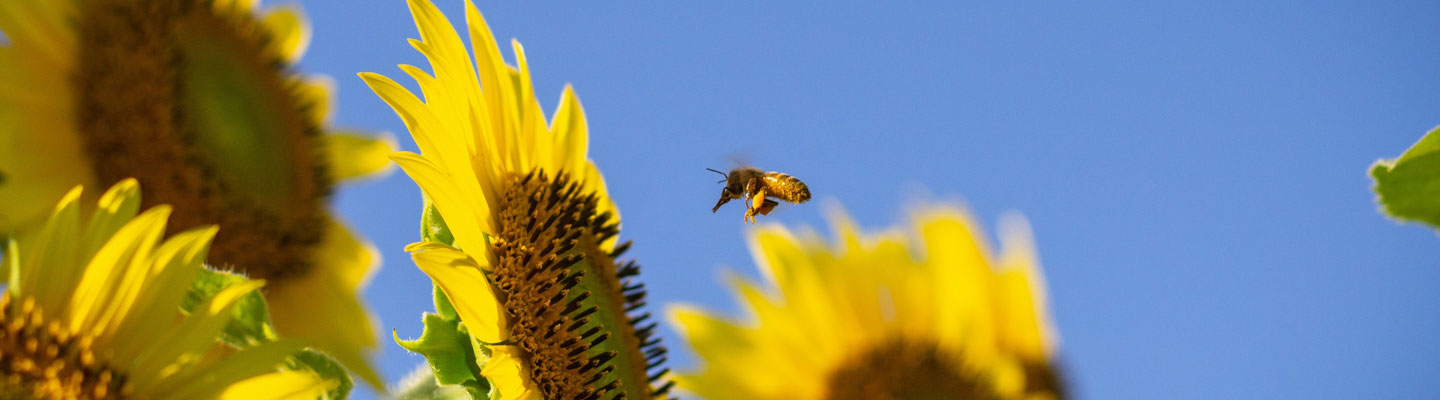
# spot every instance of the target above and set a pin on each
(569, 307)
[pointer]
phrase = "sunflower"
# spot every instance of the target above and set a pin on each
(93, 311)
(867, 319)
(529, 265)
(195, 99)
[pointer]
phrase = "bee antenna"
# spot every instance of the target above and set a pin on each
(721, 174)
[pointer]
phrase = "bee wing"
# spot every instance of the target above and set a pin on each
(741, 158)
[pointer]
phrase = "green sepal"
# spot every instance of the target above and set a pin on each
(443, 306)
(432, 226)
(478, 390)
(250, 322)
(445, 343)
(1409, 186)
(250, 325)
(327, 368)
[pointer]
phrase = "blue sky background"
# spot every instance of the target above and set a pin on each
(1194, 173)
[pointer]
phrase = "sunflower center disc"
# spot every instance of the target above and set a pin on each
(568, 305)
(542, 221)
(189, 102)
(40, 360)
(905, 371)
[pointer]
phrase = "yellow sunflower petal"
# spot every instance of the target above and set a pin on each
(354, 154)
(30, 23)
(424, 127)
(963, 315)
(188, 339)
(289, 33)
(105, 287)
(465, 285)
(175, 265)
(1023, 318)
(443, 47)
(570, 132)
(498, 94)
(291, 385)
(53, 288)
(37, 125)
(506, 372)
(32, 182)
(433, 138)
(236, 6)
(467, 217)
(532, 123)
(117, 206)
(779, 255)
(788, 339)
(325, 305)
(594, 181)
(315, 93)
(210, 381)
(731, 352)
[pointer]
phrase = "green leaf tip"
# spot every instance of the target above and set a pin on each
(445, 343)
(1408, 187)
(432, 226)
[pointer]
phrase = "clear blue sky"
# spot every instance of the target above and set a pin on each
(1195, 173)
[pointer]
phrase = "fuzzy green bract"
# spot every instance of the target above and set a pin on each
(250, 326)
(1409, 186)
(445, 342)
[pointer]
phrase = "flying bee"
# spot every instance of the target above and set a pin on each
(756, 186)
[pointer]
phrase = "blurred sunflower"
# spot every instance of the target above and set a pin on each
(194, 98)
(92, 310)
(866, 319)
(529, 260)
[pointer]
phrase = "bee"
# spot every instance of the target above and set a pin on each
(756, 186)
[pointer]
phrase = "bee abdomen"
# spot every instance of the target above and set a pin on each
(786, 187)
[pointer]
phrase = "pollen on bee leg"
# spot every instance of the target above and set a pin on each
(757, 204)
(758, 199)
(766, 207)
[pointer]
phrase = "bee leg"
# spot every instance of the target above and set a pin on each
(757, 200)
(755, 204)
(767, 206)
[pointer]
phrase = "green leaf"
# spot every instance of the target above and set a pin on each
(327, 368)
(1409, 186)
(446, 346)
(432, 226)
(250, 322)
